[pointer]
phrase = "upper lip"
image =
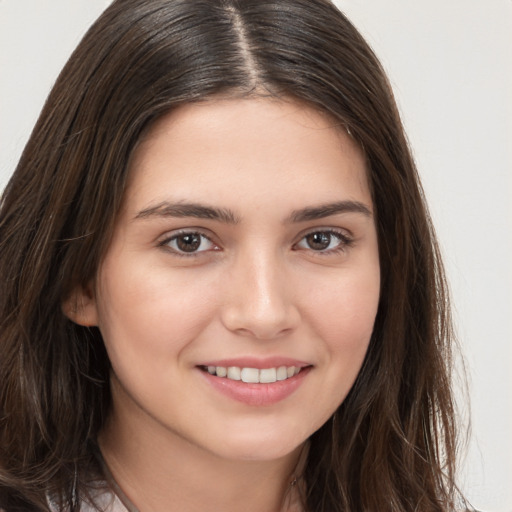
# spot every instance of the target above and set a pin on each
(255, 362)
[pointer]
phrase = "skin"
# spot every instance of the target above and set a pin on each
(254, 287)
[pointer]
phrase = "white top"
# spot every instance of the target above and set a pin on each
(105, 501)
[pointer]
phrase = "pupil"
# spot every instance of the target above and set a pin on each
(318, 241)
(189, 243)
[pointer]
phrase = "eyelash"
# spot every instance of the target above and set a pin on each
(344, 242)
(176, 236)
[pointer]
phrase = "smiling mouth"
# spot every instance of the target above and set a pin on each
(253, 375)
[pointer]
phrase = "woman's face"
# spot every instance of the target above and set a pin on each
(246, 245)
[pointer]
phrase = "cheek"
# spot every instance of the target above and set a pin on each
(341, 315)
(149, 314)
(344, 310)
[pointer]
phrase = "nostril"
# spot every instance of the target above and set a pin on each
(263, 323)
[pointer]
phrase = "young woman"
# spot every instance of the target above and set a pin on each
(221, 288)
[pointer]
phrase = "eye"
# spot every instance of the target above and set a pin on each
(189, 242)
(324, 241)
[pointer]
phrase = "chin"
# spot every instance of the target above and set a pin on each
(260, 445)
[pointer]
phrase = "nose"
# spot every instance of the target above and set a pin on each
(259, 299)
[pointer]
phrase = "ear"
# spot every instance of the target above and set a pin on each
(80, 306)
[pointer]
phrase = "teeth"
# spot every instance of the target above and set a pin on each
(254, 375)
(282, 373)
(250, 375)
(268, 375)
(221, 371)
(234, 373)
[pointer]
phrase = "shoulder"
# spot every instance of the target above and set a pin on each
(99, 501)
(106, 502)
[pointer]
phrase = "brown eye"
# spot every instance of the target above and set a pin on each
(189, 243)
(324, 241)
(318, 241)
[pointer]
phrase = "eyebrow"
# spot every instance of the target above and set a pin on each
(199, 211)
(326, 210)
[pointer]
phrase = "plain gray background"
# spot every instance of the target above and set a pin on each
(450, 63)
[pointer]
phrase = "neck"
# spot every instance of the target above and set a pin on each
(159, 470)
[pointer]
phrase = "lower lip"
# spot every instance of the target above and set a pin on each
(256, 394)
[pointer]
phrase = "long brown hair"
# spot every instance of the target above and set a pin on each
(391, 445)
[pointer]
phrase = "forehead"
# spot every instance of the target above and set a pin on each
(252, 146)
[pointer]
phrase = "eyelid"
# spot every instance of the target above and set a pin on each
(345, 237)
(168, 237)
(342, 232)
